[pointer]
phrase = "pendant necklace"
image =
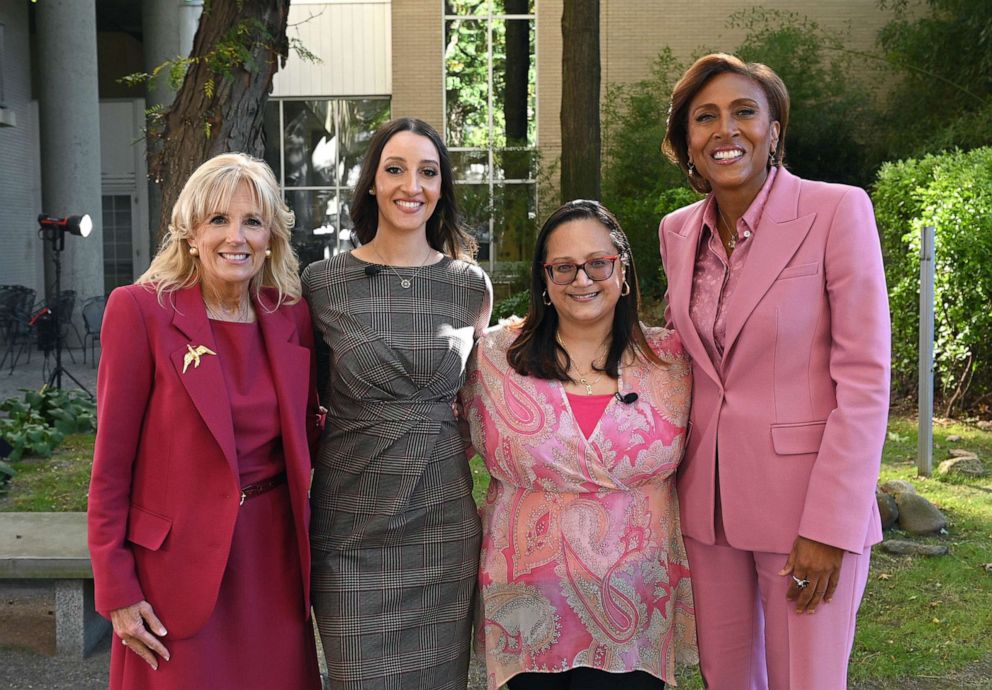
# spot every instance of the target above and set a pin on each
(404, 282)
(583, 378)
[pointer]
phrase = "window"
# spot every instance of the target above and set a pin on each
(491, 125)
(315, 148)
(118, 252)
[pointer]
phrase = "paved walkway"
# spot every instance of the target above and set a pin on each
(35, 373)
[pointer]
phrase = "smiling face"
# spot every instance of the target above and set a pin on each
(231, 243)
(407, 183)
(583, 301)
(730, 134)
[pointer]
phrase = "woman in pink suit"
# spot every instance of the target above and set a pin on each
(207, 407)
(777, 291)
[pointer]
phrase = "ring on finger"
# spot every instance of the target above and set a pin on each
(800, 583)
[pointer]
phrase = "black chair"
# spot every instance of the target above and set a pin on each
(92, 322)
(16, 308)
(63, 307)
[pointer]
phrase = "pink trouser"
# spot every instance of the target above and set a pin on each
(750, 636)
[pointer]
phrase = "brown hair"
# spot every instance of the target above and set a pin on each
(536, 351)
(444, 229)
(676, 143)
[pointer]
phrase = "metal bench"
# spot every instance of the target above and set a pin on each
(52, 547)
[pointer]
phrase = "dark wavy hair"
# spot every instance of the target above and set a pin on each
(536, 351)
(676, 143)
(444, 229)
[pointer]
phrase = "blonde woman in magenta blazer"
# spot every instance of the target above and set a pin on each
(776, 287)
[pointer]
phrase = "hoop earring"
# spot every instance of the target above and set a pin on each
(545, 298)
(193, 251)
(625, 290)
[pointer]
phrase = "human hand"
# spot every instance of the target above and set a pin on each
(818, 565)
(134, 625)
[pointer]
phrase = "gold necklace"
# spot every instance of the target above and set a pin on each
(731, 242)
(404, 282)
(583, 377)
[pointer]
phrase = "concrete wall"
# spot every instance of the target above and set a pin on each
(20, 177)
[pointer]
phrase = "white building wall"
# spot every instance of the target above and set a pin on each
(353, 41)
(21, 261)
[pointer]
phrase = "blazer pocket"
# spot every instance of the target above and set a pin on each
(797, 439)
(799, 270)
(146, 528)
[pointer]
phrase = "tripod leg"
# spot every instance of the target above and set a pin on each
(65, 372)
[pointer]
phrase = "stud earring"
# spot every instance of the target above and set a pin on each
(371, 191)
(268, 253)
(193, 251)
(625, 290)
(545, 298)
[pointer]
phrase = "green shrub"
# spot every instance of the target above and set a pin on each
(514, 305)
(953, 193)
(37, 424)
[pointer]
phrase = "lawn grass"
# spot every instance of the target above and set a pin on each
(55, 484)
(922, 618)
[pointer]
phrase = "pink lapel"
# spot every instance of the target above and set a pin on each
(205, 384)
(776, 240)
(681, 265)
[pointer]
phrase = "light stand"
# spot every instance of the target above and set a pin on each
(54, 230)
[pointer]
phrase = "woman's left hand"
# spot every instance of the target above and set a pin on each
(816, 563)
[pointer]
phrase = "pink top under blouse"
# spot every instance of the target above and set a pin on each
(582, 561)
(588, 409)
(715, 277)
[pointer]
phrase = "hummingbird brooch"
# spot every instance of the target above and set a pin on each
(192, 355)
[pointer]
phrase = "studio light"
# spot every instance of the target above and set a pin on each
(80, 226)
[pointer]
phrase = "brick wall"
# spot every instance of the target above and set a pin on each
(418, 55)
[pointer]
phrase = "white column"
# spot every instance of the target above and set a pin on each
(168, 28)
(70, 135)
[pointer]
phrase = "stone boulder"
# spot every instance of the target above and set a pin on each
(911, 548)
(962, 453)
(917, 515)
(887, 508)
(898, 486)
(962, 467)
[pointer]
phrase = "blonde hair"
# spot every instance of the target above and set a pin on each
(209, 190)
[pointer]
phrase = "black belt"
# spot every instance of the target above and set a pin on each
(260, 487)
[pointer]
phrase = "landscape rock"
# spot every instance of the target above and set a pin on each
(984, 425)
(917, 515)
(953, 438)
(898, 486)
(910, 548)
(962, 453)
(962, 467)
(887, 508)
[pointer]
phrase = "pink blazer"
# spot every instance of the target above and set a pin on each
(798, 408)
(165, 492)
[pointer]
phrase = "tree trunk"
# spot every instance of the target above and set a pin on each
(580, 75)
(220, 104)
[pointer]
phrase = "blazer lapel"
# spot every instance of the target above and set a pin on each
(776, 240)
(205, 383)
(681, 266)
(289, 363)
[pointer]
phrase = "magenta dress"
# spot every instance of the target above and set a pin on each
(257, 637)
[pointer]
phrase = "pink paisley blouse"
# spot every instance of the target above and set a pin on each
(582, 558)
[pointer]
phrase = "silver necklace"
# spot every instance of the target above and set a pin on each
(732, 241)
(404, 282)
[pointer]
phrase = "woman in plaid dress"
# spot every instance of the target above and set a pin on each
(395, 533)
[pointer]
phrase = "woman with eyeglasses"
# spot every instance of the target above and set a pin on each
(580, 414)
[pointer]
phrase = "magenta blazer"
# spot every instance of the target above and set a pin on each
(799, 406)
(165, 492)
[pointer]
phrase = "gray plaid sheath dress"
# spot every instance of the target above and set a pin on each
(394, 531)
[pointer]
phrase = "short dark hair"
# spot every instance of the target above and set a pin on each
(676, 143)
(444, 229)
(536, 351)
